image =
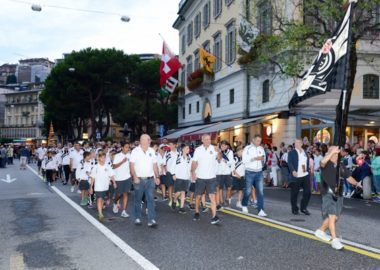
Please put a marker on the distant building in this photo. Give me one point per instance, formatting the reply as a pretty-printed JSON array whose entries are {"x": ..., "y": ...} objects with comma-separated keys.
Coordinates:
[
  {"x": 148, "y": 56},
  {"x": 5, "y": 71},
  {"x": 3, "y": 100},
  {"x": 34, "y": 70}
]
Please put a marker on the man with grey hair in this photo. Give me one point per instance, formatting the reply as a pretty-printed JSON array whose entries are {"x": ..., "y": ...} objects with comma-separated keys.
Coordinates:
[{"x": 144, "y": 171}]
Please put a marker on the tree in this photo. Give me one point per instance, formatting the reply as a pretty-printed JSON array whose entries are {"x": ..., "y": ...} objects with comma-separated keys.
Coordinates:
[
  {"x": 11, "y": 79},
  {"x": 297, "y": 38}
]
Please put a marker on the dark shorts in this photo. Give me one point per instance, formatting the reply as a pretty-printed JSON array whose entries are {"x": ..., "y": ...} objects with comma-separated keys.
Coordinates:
[
  {"x": 124, "y": 186},
  {"x": 162, "y": 179},
  {"x": 181, "y": 185},
  {"x": 238, "y": 183},
  {"x": 331, "y": 207},
  {"x": 224, "y": 181},
  {"x": 101, "y": 194},
  {"x": 169, "y": 179},
  {"x": 39, "y": 163},
  {"x": 205, "y": 185},
  {"x": 84, "y": 185},
  {"x": 73, "y": 177},
  {"x": 192, "y": 187}
]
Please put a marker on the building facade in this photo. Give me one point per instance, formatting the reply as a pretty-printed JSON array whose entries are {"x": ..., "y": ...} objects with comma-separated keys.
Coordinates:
[
  {"x": 34, "y": 70},
  {"x": 234, "y": 93}
]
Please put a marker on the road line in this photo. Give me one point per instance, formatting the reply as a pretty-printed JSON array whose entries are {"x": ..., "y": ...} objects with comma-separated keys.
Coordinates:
[
  {"x": 16, "y": 262},
  {"x": 351, "y": 246},
  {"x": 128, "y": 250}
]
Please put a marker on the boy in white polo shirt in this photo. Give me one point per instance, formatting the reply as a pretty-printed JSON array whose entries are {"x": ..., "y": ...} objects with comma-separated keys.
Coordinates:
[
  {"x": 123, "y": 178},
  {"x": 101, "y": 175},
  {"x": 82, "y": 173}
]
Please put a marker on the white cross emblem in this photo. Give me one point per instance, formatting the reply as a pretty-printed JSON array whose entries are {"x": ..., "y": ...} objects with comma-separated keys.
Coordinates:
[{"x": 166, "y": 58}]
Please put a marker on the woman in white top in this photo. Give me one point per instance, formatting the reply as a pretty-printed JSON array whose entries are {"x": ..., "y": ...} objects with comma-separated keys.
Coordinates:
[{"x": 182, "y": 176}]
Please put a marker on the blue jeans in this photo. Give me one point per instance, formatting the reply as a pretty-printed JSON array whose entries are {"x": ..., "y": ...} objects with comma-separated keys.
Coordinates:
[
  {"x": 347, "y": 187},
  {"x": 376, "y": 183},
  {"x": 145, "y": 186},
  {"x": 254, "y": 179}
]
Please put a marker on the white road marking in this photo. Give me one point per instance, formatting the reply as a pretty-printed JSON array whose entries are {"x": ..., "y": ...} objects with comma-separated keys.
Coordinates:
[
  {"x": 128, "y": 250},
  {"x": 8, "y": 179}
]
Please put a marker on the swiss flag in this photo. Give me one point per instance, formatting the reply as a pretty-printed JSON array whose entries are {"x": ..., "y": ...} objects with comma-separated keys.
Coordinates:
[{"x": 169, "y": 64}]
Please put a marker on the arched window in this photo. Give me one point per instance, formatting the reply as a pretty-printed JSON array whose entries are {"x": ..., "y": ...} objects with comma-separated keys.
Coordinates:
[
  {"x": 370, "y": 86},
  {"x": 266, "y": 91}
]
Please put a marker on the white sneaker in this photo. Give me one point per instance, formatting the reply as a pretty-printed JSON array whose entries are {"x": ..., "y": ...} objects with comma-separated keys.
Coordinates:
[
  {"x": 262, "y": 213},
  {"x": 124, "y": 214},
  {"x": 72, "y": 188},
  {"x": 244, "y": 209},
  {"x": 79, "y": 192},
  {"x": 229, "y": 201},
  {"x": 336, "y": 244},
  {"x": 115, "y": 209},
  {"x": 238, "y": 205},
  {"x": 322, "y": 235}
]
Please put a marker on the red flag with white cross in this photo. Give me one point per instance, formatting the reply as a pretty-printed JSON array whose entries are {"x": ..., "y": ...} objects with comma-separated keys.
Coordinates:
[{"x": 169, "y": 64}]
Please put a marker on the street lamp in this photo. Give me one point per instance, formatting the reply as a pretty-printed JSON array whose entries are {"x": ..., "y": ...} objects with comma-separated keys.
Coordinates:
[{"x": 36, "y": 7}]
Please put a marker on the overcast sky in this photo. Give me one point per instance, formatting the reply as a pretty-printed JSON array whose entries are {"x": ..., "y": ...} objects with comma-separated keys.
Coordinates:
[{"x": 53, "y": 31}]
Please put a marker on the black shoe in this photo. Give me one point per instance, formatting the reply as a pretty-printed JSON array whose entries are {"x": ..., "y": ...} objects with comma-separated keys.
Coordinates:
[
  {"x": 306, "y": 212},
  {"x": 215, "y": 220},
  {"x": 219, "y": 207},
  {"x": 295, "y": 212},
  {"x": 204, "y": 209},
  {"x": 196, "y": 217},
  {"x": 173, "y": 205},
  {"x": 192, "y": 207},
  {"x": 182, "y": 211},
  {"x": 65, "y": 183}
]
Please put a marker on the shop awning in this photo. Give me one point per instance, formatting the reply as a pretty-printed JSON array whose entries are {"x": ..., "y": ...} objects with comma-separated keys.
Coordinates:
[
  {"x": 177, "y": 134},
  {"x": 213, "y": 130}
]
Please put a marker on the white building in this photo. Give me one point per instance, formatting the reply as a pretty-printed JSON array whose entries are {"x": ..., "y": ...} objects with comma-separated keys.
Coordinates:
[{"x": 234, "y": 94}]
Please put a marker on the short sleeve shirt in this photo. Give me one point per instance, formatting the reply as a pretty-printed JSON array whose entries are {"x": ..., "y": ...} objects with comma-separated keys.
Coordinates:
[
  {"x": 207, "y": 162},
  {"x": 122, "y": 172},
  {"x": 102, "y": 175},
  {"x": 143, "y": 161},
  {"x": 77, "y": 157},
  {"x": 328, "y": 174}
]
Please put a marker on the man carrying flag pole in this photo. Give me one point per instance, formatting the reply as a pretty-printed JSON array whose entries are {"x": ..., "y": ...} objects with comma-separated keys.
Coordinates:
[{"x": 330, "y": 71}]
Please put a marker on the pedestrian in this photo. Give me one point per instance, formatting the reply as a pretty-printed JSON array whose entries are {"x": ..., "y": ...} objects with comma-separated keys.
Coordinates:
[
  {"x": 76, "y": 155},
  {"x": 238, "y": 182},
  {"x": 284, "y": 165},
  {"x": 144, "y": 170},
  {"x": 224, "y": 178},
  {"x": 161, "y": 161},
  {"x": 182, "y": 177},
  {"x": 317, "y": 169},
  {"x": 332, "y": 199},
  {"x": 254, "y": 159},
  {"x": 171, "y": 157},
  {"x": 10, "y": 154},
  {"x": 83, "y": 174},
  {"x": 274, "y": 166},
  {"x": 298, "y": 163},
  {"x": 348, "y": 163},
  {"x": 40, "y": 154},
  {"x": 24, "y": 155},
  {"x": 375, "y": 165},
  {"x": 203, "y": 171},
  {"x": 3, "y": 156},
  {"x": 101, "y": 176},
  {"x": 49, "y": 166},
  {"x": 66, "y": 165},
  {"x": 123, "y": 179}
]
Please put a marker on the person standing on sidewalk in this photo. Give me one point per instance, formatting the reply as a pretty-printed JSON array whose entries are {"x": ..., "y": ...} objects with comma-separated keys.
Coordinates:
[
  {"x": 144, "y": 170},
  {"x": 298, "y": 163},
  {"x": 24, "y": 155},
  {"x": 254, "y": 160},
  {"x": 375, "y": 165},
  {"x": 332, "y": 195}
]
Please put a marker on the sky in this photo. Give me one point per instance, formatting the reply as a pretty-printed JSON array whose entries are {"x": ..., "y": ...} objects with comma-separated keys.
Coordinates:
[{"x": 53, "y": 31}]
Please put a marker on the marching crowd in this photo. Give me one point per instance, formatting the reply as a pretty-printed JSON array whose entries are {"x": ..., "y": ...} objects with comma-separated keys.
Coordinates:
[{"x": 107, "y": 173}]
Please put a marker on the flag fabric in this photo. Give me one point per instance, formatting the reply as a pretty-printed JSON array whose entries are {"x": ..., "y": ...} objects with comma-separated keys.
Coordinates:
[
  {"x": 206, "y": 59},
  {"x": 164, "y": 92},
  {"x": 247, "y": 34},
  {"x": 171, "y": 84},
  {"x": 169, "y": 64},
  {"x": 328, "y": 70}
]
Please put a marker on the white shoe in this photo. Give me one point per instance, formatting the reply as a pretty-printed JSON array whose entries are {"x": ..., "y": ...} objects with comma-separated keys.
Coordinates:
[
  {"x": 124, "y": 214},
  {"x": 322, "y": 235},
  {"x": 79, "y": 192},
  {"x": 238, "y": 205},
  {"x": 229, "y": 201},
  {"x": 262, "y": 213},
  {"x": 115, "y": 209},
  {"x": 244, "y": 209},
  {"x": 336, "y": 244},
  {"x": 72, "y": 188}
]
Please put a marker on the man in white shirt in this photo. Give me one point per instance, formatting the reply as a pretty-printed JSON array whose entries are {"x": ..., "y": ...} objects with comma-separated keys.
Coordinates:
[
  {"x": 123, "y": 178},
  {"x": 76, "y": 156},
  {"x": 40, "y": 152},
  {"x": 144, "y": 170},
  {"x": 171, "y": 158},
  {"x": 254, "y": 160},
  {"x": 298, "y": 163},
  {"x": 224, "y": 174},
  {"x": 203, "y": 170}
]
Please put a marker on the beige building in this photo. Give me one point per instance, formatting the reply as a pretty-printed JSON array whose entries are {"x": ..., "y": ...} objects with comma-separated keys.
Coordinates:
[{"x": 234, "y": 95}]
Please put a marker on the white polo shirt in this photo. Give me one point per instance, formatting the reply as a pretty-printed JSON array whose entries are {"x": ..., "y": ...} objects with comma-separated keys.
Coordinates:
[
  {"x": 122, "y": 172},
  {"x": 207, "y": 162},
  {"x": 41, "y": 152},
  {"x": 83, "y": 171},
  {"x": 77, "y": 157},
  {"x": 143, "y": 161},
  {"x": 171, "y": 158},
  {"x": 302, "y": 160},
  {"x": 102, "y": 175},
  {"x": 239, "y": 167},
  {"x": 161, "y": 163},
  {"x": 182, "y": 167},
  {"x": 226, "y": 164}
]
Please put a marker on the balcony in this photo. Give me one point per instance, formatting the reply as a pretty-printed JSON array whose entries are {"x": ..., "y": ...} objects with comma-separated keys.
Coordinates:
[{"x": 200, "y": 82}]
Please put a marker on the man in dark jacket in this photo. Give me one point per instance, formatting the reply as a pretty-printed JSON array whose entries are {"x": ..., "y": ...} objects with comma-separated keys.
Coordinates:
[{"x": 298, "y": 163}]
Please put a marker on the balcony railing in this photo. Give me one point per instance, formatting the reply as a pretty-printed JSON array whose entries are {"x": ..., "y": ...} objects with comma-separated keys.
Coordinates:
[{"x": 200, "y": 82}]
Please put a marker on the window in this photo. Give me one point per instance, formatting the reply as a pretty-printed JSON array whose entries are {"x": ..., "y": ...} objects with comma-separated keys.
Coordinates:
[
  {"x": 183, "y": 112},
  {"x": 189, "y": 33},
  {"x": 197, "y": 106},
  {"x": 206, "y": 46},
  {"x": 370, "y": 86},
  {"x": 228, "y": 2},
  {"x": 197, "y": 23},
  {"x": 183, "y": 44},
  {"x": 189, "y": 67},
  {"x": 196, "y": 60},
  {"x": 231, "y": 43},
  {"x": 218, "y": 100},
  {"x": 206, "y": 15},
  {"x": 183, "y": 76},
  {"x": 232, "y": 96},
  {"x": 190, "y": 108},
  {"x": 266, "y": 91},
  {"x": 218, "y": 52},
  {"x": 217, "y": 8},
  {"x": 264, "y": 19}
]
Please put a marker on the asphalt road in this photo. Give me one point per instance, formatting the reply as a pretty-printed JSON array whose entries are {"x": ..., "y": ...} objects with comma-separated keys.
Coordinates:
[{"x": 177, "y": 242}]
